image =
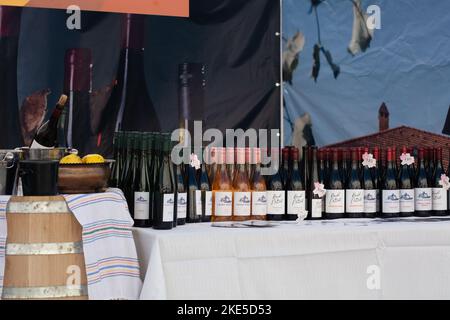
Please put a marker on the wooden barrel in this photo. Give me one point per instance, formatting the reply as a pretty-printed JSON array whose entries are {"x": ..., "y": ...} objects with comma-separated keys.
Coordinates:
[{"x": 44, "y": 251}]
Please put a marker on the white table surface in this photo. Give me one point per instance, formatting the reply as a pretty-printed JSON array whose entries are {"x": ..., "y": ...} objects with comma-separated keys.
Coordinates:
[{"x": 340, "y": 259}]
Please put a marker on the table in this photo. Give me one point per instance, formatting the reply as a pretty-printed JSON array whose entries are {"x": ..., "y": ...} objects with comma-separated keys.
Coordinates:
[{"x": 342, "y": 259}]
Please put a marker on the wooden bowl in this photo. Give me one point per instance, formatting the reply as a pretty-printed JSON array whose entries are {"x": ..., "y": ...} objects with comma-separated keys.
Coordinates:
[{"x": 84, "y": 178}]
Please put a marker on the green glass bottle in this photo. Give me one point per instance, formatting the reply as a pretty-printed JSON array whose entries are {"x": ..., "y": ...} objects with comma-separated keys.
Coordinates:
[
  {"x": 131, "y": 177},
  {"x": 164, "y": 195},
  {"x": 117, "y": 166},
  {"x": 142, "y": 188}
]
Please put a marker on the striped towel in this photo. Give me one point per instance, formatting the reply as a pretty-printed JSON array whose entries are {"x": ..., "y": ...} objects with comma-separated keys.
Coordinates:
[
  {"x": 110, "y": 254},
  {"x": 3, "y": 202}
]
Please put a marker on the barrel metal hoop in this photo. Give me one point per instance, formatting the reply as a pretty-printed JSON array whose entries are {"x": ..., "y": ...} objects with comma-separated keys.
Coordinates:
[
  {"x": 29, "y": 249},
  {"x": 45, "y": 292},
  {"x": 37, "y": 207}
]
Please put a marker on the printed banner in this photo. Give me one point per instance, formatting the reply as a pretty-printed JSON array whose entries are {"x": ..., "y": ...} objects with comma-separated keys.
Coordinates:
[{"x": 179, "y": 8}]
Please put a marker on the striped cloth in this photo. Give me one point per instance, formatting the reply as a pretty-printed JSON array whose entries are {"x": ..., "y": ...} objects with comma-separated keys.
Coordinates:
[
  {"x": 3, "y": 232},
  {"x": 110, "y": 254}
]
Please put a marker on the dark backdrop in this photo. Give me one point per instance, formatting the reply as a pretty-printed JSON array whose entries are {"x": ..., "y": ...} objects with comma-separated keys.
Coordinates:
[{"x": 236, "y": 39}]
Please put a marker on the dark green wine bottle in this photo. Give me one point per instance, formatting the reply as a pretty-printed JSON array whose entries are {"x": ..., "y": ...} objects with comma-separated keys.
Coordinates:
[
  {"x": 181, "y": 196},
  {"x": 142, "y": 189},
  {"x": 117, "y": 166},
  {"x": 206, "y": 194},
  {"x": 131, "y": 178},
  {"x": 164, "y": 192}
]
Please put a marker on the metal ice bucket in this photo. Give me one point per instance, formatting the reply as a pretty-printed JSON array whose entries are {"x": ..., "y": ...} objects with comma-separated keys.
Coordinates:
[
  {"x": 45, "y": 154},
  {"x": 8, "y": 170}
]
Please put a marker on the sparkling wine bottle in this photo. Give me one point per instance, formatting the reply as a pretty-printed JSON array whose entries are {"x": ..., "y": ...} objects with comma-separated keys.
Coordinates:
[
  {"x": 423, "y": 190},
  {"x": 241, "y": 189},
  {"x": 164, "y": 192},
  {"x": 335, "y": 194},
  {"x": 206, "y": 194},
  {"x": 390, "y": 194},
  {"x": 222, "y": 190},
  {"x": 406, "y": 190},
  {"x": 296, "y": 198},
  {"x": 47, "y": 134},
  {"x": 142, "y": 218},
  {"x": 439, "y": 193},
  {"x": 354, "y": 193}
]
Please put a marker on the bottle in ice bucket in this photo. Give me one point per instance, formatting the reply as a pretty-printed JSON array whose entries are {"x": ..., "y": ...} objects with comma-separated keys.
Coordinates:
[{"x": 164, "y": 195}]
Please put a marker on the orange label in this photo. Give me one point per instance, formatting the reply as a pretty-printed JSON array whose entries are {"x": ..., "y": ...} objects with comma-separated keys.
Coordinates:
[{"x": 178, "y": 8}]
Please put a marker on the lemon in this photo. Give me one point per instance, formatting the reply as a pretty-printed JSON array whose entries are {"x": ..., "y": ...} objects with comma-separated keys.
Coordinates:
[
  {"x": 93, "y": 158},
  {"x": 71, "y": 159}
]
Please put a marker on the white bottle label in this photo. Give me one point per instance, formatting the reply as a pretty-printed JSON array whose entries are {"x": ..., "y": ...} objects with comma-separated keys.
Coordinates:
[
  {"x": 391, "y": 201},
  {"x": 168, "y": 207},
  {"x": 424, "y": 199},
  {"x": 198, "y": 203},
  {"x": 370, "y": 201},
  {"x": 275, "y": 202},
  {"x": 439, "y": 199},
  {"x": 259, "y": 203},
  {"x": 296, "y": 202},
  {"x": 141, "y": 205},
  {"x": 242, "y": 203},
  {"x": 335, "y": 201},
  {"x": 354, "y": 200},
  {"x": 316, "y": 208},
  {"x": 181, "y": 205},
  {"x": 407, "y": 200},
  {"x": 208, "y": 203},
  {"x": 223, "y": 204}
]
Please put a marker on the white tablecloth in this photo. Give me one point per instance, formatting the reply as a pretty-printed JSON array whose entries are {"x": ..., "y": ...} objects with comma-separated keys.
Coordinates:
[{"x": 344, "y": 259}]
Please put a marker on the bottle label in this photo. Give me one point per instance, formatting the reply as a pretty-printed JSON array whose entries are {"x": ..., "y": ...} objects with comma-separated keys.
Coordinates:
[
  {"x": 36, "y": 145},
  {"x": 439, "y": 199},
  {"x": 354, "y": 200},
  {"x": 407, "y": 200},
  {"x": 370, "y": 201},
  {"x": 208, "y": 203},
  {"x": 296, "y": 202},
  {"x": 242, "y": 203},
  {"x": 391, "y": 201},
  {"x": 424, "y": 199},
  {"x": 259, "y": 203},
  {"x": 335, "y": 201},
  {"x": 168, "y": 206},
  {"x": 141, "y": 205},
  {"x": 181, "y": 205},
  {"x": 223, "y": 204},
  {"x": 316, "y": 208},
  {"x": 198, "y": 203},
  {"x": 275, "y": 202}
]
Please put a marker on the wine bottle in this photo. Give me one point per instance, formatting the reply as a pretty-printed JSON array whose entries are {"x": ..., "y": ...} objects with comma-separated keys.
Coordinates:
[
  {"x": 130, "y": 180},
  {"x": 296, "y": 198},
  {"x": 117, "y": 166},
  {"x": 285, "y": 168},
  {"x": 194, "y": 196},
  {"x": 259, "y": 189},
  {"x": 431, "y": 153},
  {"x": 390, "y": 195},
  {"x": 241, "y": 189},
  {"x": 423, "y": 190},
  {"x": 406, "y": 189},
  {"x": 305, "y": 165},
  {"x": 335, "y": 193},
  {"x": 316, "y": 201},
  {"x": 222, "y": 190},
  {"x": 142, "y": 190},
  {"x": 47, "y": 134},
  {"x": 377, "y": 176},
  {"x": 164, "y": 193},
  {"x": 249, "y": 163},
  {"x": 206, "y": 194},
  {"x": 275, "y": 191},
  {"x": 343, "y": 159},
  {"x": 354, "y": 193},
  {"x": 370, "y": 192},
  {"x": 181, "y": 196},
  {"x": 440, "y": 207},
  {"x": 212, "y": 163}
]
